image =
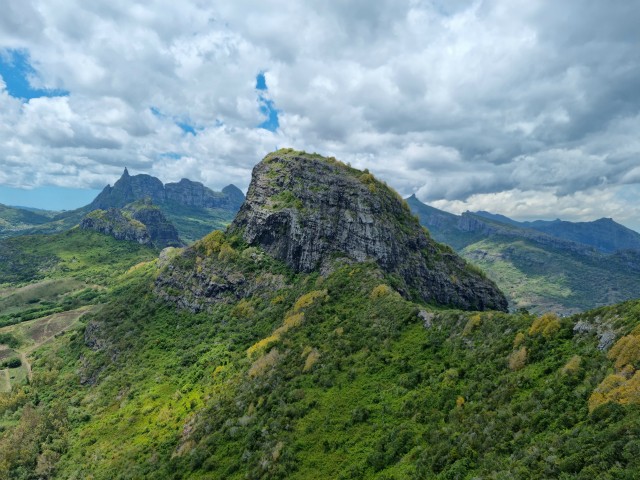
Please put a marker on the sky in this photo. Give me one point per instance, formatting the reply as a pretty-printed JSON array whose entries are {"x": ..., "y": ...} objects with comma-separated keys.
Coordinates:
[{"x": 528, "y": 108}]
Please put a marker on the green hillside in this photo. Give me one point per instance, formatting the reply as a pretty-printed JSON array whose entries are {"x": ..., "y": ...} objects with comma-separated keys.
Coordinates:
[
  {"x": 324, "y": 377},
  {"x": 14, "y": 220},
  {"x": 542, "y": 278},
  {"x": 46, "y": 274},
  {"x": 536, "y": 270}
]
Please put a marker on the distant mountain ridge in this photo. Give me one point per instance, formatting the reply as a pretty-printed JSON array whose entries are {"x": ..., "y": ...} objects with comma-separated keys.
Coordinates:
[
  {"x": 604, "y": 234},
  {"x": 185, "y": 192},
  {"x": 538, "y": 264},
  {"x": 194, "y": 209}
]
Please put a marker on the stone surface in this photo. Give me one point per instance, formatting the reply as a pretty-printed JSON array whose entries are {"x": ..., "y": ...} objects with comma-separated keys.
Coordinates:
[{"x": 304, "y": 209}]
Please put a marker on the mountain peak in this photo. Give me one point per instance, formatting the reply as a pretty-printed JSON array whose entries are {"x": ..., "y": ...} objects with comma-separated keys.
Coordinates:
[
  {"x": 125, "y": 173},
  {"x": 305, "y": 210}
]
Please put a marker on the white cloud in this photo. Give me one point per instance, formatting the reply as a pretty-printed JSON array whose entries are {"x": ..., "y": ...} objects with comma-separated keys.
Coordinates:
[{"x": 458, "y": 101}]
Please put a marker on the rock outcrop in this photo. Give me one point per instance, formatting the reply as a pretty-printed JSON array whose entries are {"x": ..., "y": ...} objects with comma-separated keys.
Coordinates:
[
  {"x": 306, "y": 210},
  {"x": 114, "y": 223},
  {"x": 139, "y": 222}
]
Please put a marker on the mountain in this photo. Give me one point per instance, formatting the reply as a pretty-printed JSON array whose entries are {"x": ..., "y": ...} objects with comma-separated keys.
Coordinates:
[
  {"x": 14, "y": 220},
  {"x": 235, "y": 358},
  {"x": 349, "y": 214},
  {"x": 186, "y": 193},
  {"x": 535, "y": 269},
  {"x": 604, "y": 234},
  {"x": 140, "y": 222},
  {"x": 193, "y": 209}
]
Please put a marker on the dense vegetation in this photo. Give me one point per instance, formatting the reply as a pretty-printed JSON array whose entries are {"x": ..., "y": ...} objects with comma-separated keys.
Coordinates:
[{"x": 333, "y": 376}]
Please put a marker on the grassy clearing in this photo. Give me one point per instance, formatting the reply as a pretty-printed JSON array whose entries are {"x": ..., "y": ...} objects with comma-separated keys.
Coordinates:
[
  {"x": 32, "y": 335},
  {"x": 17, "y": 299}
]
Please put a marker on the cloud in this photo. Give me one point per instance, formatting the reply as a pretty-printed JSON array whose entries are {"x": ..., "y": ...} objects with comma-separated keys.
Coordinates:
[{"x": 458, "y": 101}]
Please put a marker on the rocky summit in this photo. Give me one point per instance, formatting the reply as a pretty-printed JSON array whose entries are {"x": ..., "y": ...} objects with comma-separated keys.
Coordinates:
[
  {"x": 130, "y": 188},
  {"x": 307, "y": 210}
]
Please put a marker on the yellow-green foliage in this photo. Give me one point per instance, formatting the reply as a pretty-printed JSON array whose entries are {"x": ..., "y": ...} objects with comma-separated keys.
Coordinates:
[
  {"x": 212, "y": 242},
  {"x": 380, "y": 291},
  {"x": 518, "y": 359},
  {"x": 473, "y": 323},
  {"x": 369, "y": 180},
  {"x": 572, "y": 366},
  {"x": 312, "y": 359},
  {"x": 616, "y": 388},
  {"x": 243, "y": 309},
  {"x": 262, "y": 364},
  {"x": 227, "y": 252},
  {"x": 626, "y": 351},
  {"x": 292, "y": 321},
  {"x": 277, "y": 300},
  {"x": 308, "y": 299},
  {"x": 460, "y": 401},
  {"x": 546, "y": 325},
  {"x": 261, "y": 346},
  {"x": 518, "y": 340}
]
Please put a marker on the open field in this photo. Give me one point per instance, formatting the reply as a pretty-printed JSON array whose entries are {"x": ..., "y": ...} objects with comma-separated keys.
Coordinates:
[{"x": 31, "y": 335}]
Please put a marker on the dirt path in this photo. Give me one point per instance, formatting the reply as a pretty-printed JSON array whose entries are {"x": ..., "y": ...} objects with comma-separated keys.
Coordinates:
[
  {"x": 27, "y": 365},
  {"x": 5, "y": 386},
  {"x": 48, "y": 334}
]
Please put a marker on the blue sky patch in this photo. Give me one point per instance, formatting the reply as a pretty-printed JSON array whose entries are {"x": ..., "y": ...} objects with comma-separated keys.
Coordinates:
[
  {"x": 171, "y": 155},
  {"x": 16, "y": 71},
  {"x": 267, "y": 107},
  {"x": 185, "y": 126},
  {"x": 49, "y": 197},
  {"x": 261, "y": 82}
]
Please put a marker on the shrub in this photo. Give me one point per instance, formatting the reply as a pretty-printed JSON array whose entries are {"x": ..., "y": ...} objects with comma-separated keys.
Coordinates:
[
  {"x": 572, "y": 366},
  {"x": 546, "y": 325},
  {"x": 13, "y": 362},
  {"x": 519, "y": 340},
  {"x": 262, "y": 364},
  {"x": 308, "y": 299},
  {"x": 380, "y": 291},
  {"x": 518, "y": 359},
  {"x": 473, "y": 323},
  {"x": 626, "y": 351},
  {"x": 616, "y": 388},
  {"x": 312, "y": 359},
  {"x": 9, "y": 340}
]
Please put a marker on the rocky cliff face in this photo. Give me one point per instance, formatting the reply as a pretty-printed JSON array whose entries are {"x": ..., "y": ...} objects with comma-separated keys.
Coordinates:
[
  {"x": 114, "y": 223},
  {"x": 162, "y": 232},
  {"x": 139, "y": 222},
  {"x": 129, "y": 189},
  {"x": 306, "y": 210}
]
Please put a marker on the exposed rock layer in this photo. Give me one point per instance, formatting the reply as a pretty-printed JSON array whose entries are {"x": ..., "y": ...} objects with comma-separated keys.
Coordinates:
[{"x": 305, "y": 210}]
